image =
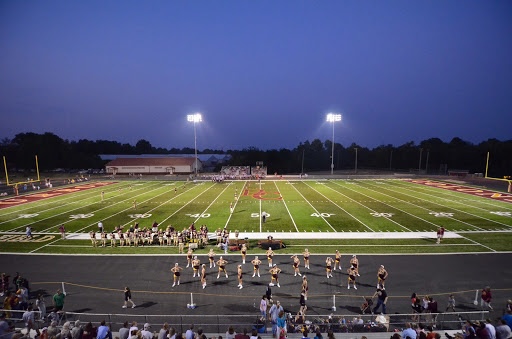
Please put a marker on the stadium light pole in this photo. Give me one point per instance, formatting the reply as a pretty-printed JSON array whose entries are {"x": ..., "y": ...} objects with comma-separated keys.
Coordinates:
[
  {"x": 332, "y": 118},
  {"x": 195, "y": 118}
]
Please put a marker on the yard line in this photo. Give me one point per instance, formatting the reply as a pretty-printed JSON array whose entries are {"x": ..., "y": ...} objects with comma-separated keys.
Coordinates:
[
  {"x": 236, "y": 202},
  {"x": 286, "y": 206},
  {"x": 372, "y": 200},
  {"x": 320, "y": 214},
  {"x": 65, "y": 212},
  {"x": 341, "y": 208},
  {"x": 260, "y": 208},
  {"x": 452, "y": 218},
  {"x": 460, "y": 203}
]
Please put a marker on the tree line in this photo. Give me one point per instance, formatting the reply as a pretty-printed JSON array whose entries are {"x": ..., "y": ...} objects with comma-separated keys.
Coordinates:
[{"x": 431, "y": 155}]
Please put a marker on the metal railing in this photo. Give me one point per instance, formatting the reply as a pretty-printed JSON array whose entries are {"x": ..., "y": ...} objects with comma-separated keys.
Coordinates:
[{"x": 220, "y": 323}]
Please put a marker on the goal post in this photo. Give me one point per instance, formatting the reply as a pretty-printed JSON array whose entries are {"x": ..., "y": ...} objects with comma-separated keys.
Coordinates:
[
  {"x": 505, "y": 178},
  {"x": 8, "y": 183}
]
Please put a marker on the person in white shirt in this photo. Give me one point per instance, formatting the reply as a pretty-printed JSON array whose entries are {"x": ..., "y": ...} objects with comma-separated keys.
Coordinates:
[
  {"x": 263, "y": 307},
  {"x": 490, "y": 328},
  {"x": 146, "y": 334},
  {"x": 28, "y": 319},
  {"x": 100, "y": 227}
]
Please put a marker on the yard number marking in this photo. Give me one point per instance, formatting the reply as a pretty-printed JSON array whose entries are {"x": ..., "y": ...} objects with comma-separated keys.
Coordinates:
[
  {"x": 503, "y": 214},
  {"x": 28, "y": 216},
  {"x": 384, "y": 215},
  {"x": 322, "y": 215},
  {"x": 81, "y": 216},
  {"x": 257, "y": 215},
  {"x": 140, "y": 216},
  {"x": 197, "y": 215},
  {"x": 442, "y": 214}
]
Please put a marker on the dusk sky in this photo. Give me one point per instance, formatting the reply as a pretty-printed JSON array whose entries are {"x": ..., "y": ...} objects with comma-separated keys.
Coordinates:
[{"x": 262, "y": 73}]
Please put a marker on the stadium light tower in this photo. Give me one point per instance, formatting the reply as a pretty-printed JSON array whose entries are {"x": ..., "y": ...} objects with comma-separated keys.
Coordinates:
[
  {"x": 195, "y": 118},
  {"x": 332, "y": 118}
]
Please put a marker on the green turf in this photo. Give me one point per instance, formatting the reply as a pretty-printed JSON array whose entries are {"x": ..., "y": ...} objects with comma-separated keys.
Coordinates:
[{"x": 326, "y": 207}]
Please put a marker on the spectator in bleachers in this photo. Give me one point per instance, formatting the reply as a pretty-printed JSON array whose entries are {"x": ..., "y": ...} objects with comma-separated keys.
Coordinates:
[
  {"x": 503, "y": 331},
  {"x": 104, "y": 331},
  {"x": 164, "y": 331},
  {"x": 230, "y": 333},
  {"x": 146, "y": 332},
  {"x": 124, "y": 332},
  {"x": 77, "y": 330}
]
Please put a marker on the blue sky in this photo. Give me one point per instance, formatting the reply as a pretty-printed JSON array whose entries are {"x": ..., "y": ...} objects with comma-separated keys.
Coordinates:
[{"x": 263, "y": 73}]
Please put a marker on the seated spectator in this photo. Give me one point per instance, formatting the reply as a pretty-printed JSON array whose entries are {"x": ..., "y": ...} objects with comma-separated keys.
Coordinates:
[
  {"x": 103, "y": 331},
  {"x": 503, "y": 331},
  {"x": 242, "y": 336},
  {"x": 230, "y": 333},
  {"x": 124, "y": 332},
  {"x": 90, "y": 331},
  {"x": 77, "y": 330}
]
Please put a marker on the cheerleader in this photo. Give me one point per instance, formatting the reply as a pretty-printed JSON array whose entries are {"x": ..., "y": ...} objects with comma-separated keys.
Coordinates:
[
  {"x": 128, "y": 238},
  {"x": 103, "y": 236},
  {"x": 121, "y": 238},
  {"x": 189, "y": 257},
  {"x": 113, "y": 239},
  {"x": 328, "y": 267},
  {"x": 337, "y": 260},
  {"x": 351, "y": 277},
  {"x": 92, "y": 235},
  {"x": 203, "y": 275},
  {"x": 306, "y": 255},
  {"x": 305, "y": 287},
  {"x": 239, "y": 275},
  {"x": 176, "y": 270},
  {"x": 222, "y": 267},
  {"x": 270, "y": 255},
  {"x": 211, "y": 257},
  {"x": 161, "y": 237},
  {"x": 355, "y": 262},
  {"x": 244, "y": 252},
  {"x": 195, "y": 266},
  {"x": 274, "y": 275},
  {"x": 382, "y": 275},
  {"x": 296, "y": 264},
  {"x": 256, "y": 264}
]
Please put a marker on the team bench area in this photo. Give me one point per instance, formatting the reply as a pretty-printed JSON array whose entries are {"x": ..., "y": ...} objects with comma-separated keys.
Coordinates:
[{"x": 274, "y": 244}]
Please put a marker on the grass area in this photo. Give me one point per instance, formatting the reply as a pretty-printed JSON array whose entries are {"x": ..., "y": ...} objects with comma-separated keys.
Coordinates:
[{"x": 298, "y": 207}]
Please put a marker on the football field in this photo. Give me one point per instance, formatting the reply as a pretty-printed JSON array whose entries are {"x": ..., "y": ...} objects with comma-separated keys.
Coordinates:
[{"x": 353, "y": 215}]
